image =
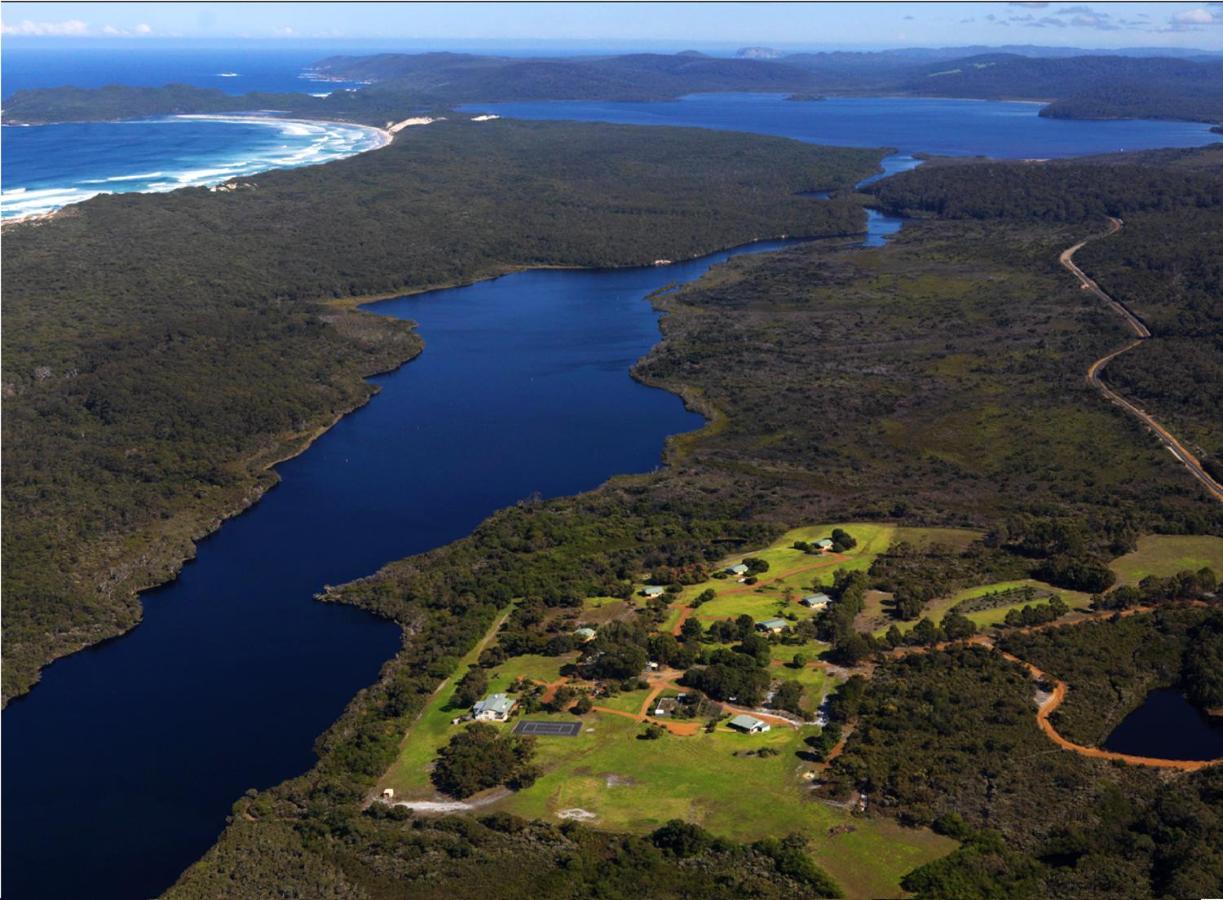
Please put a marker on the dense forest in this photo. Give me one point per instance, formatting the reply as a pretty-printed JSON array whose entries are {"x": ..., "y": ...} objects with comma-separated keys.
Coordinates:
[
  {"x": 162, "y": 349},
  {"x": 927, "y": 423},
  {"x": 1163, "y": 264},
  {"x": 1080, "y": 87}
]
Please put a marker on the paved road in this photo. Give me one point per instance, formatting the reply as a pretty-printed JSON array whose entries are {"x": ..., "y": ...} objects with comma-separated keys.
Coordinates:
[{"x": 1141, "y": 334}]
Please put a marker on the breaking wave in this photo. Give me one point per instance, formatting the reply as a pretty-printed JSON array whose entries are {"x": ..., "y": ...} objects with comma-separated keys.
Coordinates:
[{"x": 44, "y": 170}]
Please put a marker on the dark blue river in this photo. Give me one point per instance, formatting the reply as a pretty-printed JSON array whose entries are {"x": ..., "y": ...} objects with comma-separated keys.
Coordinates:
[{"x": 126, "y": 758}]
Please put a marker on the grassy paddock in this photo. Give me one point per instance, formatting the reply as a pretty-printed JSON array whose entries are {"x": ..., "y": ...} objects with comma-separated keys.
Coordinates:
[{"x": 1167, "y": 554}]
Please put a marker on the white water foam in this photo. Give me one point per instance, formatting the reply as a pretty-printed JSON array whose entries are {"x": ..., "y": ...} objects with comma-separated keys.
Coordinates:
[{"x": 306, "y": 143}]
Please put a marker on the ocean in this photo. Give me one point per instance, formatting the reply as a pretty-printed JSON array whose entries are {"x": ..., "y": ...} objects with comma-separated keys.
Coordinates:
[{"x": 45, "y": 167}]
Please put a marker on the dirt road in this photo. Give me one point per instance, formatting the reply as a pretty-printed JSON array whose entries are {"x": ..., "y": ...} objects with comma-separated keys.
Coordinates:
[{"x": 1141, "y": 333}]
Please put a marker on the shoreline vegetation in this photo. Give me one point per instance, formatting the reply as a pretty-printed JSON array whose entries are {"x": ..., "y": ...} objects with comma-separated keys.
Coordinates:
[{"x": 131, "y": 242}]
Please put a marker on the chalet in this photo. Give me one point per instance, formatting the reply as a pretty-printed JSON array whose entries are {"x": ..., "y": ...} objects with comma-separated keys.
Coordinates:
[
  {"x": 666, "y": 706},
  {"x": 653, "y": 590},
  {"x": 585, "y": 634},
  {"x": 739, "y": 569},
  {"x": 824, "y": 545},
  {"x": 772, "y": 626},
  {"x": 748, "y": 725},
  {"x": 816, "y": 601},
  {"x": 493, "y": 708}
]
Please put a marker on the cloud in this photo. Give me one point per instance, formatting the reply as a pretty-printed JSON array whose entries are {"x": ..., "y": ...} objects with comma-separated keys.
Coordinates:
[
  {"x": 135, "y": 30},
  {"x": 284, "y": 31},
  {"x": 910, "y": 18},
  {"x": 67, "y": 28},
  {"x": 1193, "y": 17}
]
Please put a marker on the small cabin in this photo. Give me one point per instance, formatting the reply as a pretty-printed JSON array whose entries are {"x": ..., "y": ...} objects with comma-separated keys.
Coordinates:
[
  {"x": 748, "y": 724},
  {"x": 824, "y": 545},
  {"x": 653, "y": 590},
  {"x": 739, "y": 569},
  {"x": 816, "y": 601},
  {"x": 772, "y": 626}
]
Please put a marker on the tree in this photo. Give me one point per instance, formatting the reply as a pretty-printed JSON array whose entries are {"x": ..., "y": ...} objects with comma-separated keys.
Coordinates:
[
  {"x": 798, "y": 661},
  {"x": 583, "y": 705},
  {"x": 691, "y": 630},
  {"x": 744, "y": 625},
  {"x": 894, "y": 638},
  {"x": 958, "y": 626},
  {"x": 471, "y": 687},
  {"x": 788, "y": 696},
  {"x": 703, "y": 597},
  {"x": 842, "y": 540},
  {"x": 925, "y": 632},
  {"x": 755, "y": 564}
]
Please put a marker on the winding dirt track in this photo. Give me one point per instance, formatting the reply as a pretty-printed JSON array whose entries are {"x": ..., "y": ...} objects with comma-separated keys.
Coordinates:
[
  {"x": 1058, "y": 696},
  {"x": 1141, "y": 333}
]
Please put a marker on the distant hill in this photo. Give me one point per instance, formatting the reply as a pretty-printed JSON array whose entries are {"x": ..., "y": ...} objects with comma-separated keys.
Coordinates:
[
  {"x": 456, "y": 78},
  {"x": 400, "y": 84},
  {"x": 1085, "y": 87}
]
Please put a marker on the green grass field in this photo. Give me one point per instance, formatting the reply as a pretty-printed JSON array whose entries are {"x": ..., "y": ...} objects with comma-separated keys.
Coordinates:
[
  {"x": 635, "y": 785},
  {"x": 1167, "y": 554},
  {"x": 936, "y": 609},
  {"x": 789, "y": 570}
]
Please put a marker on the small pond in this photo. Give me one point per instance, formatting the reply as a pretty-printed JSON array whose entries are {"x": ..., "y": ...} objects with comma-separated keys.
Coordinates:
[{"x": 1168, "y": 726}]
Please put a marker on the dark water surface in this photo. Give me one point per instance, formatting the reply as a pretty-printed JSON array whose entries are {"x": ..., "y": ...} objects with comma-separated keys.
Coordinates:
[
  {"x": 1168, "y": 726},
  {"x": 123, "y": 762}
]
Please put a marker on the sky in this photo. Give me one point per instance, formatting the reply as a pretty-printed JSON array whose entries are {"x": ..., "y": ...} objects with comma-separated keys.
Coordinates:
[{"x": 822, "y": 25}]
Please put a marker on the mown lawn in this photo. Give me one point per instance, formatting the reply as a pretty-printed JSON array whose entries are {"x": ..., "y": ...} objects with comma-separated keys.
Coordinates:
[
  {"x": 1167, "y": 554},
  {"x": 636, "y": 785}
]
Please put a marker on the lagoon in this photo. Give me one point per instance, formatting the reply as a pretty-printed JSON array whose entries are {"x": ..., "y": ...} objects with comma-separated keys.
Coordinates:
[{"x": 1002, "y": 129}]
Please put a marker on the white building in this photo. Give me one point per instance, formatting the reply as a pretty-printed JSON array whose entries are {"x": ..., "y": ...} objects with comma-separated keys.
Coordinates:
[{"x": 493, "y": 708}]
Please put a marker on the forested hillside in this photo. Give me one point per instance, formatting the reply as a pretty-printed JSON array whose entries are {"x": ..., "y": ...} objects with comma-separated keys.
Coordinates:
[
  {"x": 1163, "y": 264},
  {"x": 161, "y": 349}
]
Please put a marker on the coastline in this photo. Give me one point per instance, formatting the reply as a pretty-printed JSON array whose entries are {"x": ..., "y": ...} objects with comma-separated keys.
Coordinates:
[{"x": 378, "y": 137}]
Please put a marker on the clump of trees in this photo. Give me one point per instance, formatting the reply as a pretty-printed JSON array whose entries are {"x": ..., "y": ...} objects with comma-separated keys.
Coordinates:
[
  {"x": 480, "y": 757},
  {"x": 1185, "y": 585},
  {"x": 1037, "y": 614}
]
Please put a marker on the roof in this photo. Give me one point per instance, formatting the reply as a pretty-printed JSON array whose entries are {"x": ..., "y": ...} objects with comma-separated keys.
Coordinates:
[
  {"x": 494, "y": 703},
  {"x": 585, "y": 632},
  {"x": 747, "y": 722},
  {"x": 774, "y": 623},
  {"x": 812, "y": 599},
  {"x": 825, "y": 542},
  {"x": 738, "y": 569},
  {"x": 653, "y": 590}
]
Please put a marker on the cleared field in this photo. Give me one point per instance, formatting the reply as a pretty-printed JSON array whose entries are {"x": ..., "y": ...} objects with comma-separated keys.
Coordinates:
[
  {"x": 636, "y": 785},
  {"x": 936, "y": 609},
  {"x": 1167, "y": 554},
  {"x": 956, "y": 538}
]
